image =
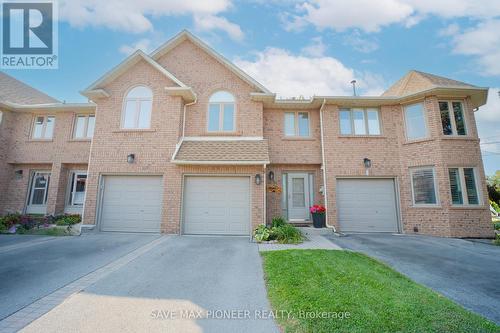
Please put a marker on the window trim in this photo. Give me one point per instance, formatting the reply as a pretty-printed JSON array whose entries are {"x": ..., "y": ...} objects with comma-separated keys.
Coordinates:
[
  {"x": 426, "y": 122},
  {"x": 85, "y": 128},
  {"x": 451, "y": 114},
  {"x": 71, "y": 187},
  {"x": 365, "y": 114},
  {"x": 296, "y": 134},
  {"x": 137, "y": 115},
  {"x": 465, "y": 197},
  {"x": 436, "y": 189},
  {"x": 44, "y": 127},
  {"x": 221, "y": 113}
]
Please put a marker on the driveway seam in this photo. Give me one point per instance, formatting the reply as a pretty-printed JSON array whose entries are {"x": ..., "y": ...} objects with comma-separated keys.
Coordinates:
[{"x": 38, "y": 308}]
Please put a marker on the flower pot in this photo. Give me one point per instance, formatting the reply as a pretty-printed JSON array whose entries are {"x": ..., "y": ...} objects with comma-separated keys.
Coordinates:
[{"x": 319, "y": 220}]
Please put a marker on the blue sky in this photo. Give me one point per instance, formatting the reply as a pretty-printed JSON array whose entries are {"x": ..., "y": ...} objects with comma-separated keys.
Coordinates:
[{"x": 293, "y": 47}]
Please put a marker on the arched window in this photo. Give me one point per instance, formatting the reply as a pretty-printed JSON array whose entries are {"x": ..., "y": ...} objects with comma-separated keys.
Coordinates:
[
  {"x": 221, "y": 112},
  {"x": 137, "y": 108}
]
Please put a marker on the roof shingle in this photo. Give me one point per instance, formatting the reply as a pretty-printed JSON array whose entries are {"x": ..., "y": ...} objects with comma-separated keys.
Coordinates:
[{"x": 15, "y": 91}]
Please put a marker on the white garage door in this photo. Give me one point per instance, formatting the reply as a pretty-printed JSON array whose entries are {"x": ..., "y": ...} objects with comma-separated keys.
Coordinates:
[
  {"x": 131, "y": 203},
  {"x": 367, "y": 205},
  {"x": 217, "y": 205}
]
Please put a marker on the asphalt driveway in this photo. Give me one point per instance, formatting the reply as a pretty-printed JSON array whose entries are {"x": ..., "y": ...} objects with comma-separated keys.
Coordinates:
[
  {"x": 464, "y": 271},
  {"x": 182, "y": 284},
  {"x": 32, "y": 267}
]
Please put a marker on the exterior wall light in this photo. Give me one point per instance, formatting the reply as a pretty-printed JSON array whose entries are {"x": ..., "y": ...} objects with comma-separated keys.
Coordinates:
[
  {"x": 271, "y": 175},
  {"x": 258, "y": 179},
  {"x": 19, "y": 174},
  {"x": 367, "y": 162},
  {"x": 130, "y": 158}
]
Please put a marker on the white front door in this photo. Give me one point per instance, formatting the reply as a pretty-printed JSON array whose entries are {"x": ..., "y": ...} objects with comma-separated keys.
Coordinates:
[
  {"x": 298, "y": 196},
  {"x": 37, "y": 197}
]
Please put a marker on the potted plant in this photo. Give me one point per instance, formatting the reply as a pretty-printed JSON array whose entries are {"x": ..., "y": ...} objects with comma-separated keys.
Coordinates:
[{"x": 318, "y": 215}]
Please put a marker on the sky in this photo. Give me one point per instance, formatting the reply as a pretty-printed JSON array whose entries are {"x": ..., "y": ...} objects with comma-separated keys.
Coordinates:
[{"x": 294, "y": 48}]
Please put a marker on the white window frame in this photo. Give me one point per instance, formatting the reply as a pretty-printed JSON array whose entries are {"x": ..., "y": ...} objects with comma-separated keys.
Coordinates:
[
  {"x": 465, "y": 198},
  {"x": 221, "y": 114},
  {"x": 85, "y": 127},
  {"x": 436, "y": 190},
  {"x": 138, "y": 101},
  {"x": 426, "y": 122},
  {"x": 72, "y": 187},
  {"x": 451, "y": 114},
  {"x": 44, "y": 127},
  {"x": 351, "y": 119},
  {"x": 296, "y": 124}
]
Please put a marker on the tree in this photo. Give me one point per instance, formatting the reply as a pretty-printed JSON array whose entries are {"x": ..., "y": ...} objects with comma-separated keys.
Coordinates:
[{"x": 494, "y": 187}]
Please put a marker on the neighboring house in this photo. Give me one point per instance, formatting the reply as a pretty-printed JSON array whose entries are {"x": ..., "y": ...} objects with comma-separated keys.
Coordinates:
[{"x": 185, "y": 142}]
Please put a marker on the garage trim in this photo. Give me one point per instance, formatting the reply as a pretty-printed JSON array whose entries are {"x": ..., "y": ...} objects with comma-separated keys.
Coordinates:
[
  {"x": 225, "y": 175},
  {"x": 100, "y": 193},
  {"x": 397, "y": 195}
]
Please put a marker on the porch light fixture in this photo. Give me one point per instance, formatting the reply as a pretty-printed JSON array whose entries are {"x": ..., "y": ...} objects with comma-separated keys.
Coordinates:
[
  {"x": 271, "y": 175},
  {"x": 367, "y": 162},
  {"x": 258, "y": 179},
  {"x": 130, "y": 158}
]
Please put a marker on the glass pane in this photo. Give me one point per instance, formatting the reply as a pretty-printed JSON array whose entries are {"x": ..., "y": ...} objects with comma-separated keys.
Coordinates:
[
  {"x": 213, "y": 117},
  {"x": 455, "y": 187},
  {"x": 38, "y": 196},
  {"x": 145, "y": 114},
  {"x": 140, "y": 92},
  {"x": 289, "y": 123},
  {"x": 80, "y": 183},
  {"x": 470, "y": 184},
  {"x": 37, "y": 130},
  {"x": 303, "y": 124},
  {"x": 298, "y": 197},
  {"x": 298, "y": 185},
  {"x": 49, "y": 128},
  {"x": 459, "y": 118},
  {"x": 445, "y": 118},
  {"x": 228, "y": 121},
  {"x": 359, "y": 122},
  {"x": 415, "y": 122},
  {"x": 80, "y": 127},
  {"x": 423, "y": 187},
  {"x": 40, "y": 181},
  {"x": 345, "y": 122},
  {"x": 71, "y": 188},
  {"x": 90, "y": 126},
  {"x": 373, "y": 122},
  {"x": 130, "y": 113},
  {"x": 221, "y": 97}
]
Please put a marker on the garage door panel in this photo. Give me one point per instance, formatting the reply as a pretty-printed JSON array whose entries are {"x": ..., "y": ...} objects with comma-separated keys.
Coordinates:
[
  {"x": 216, "y": 205},
  {"x": 367, "y": 205},
  {"x": 132, "y": 203}
]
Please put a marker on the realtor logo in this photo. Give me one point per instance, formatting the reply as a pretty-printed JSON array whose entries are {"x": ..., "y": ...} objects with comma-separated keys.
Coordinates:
[{"x": 29, "y": 35}]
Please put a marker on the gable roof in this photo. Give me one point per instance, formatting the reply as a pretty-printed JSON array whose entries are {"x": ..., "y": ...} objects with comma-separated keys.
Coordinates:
[
  {"x": 15, "y": 91},
  {"x": 416, "y": 81},
  {"x": 186, "y": 35},
  {"x": 95, "y": 89}
]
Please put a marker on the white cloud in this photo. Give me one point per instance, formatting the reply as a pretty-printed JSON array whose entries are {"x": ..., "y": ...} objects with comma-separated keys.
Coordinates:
[
  {"x": 212, "y": 22},
  {"x": 483, "y": 42},
  {"x": 488, "y": 124},
  {"x": 359, "y": 43},
  {"x": 294, "y": 75},
  {"x": 316, "y": 49},
  {"x": 144, "y": 45},
  {"x": 450, "y": 30},
  {"x": 134, "y": 16}
]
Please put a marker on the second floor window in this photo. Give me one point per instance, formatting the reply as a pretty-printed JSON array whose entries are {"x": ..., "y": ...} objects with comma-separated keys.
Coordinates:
[
  {"x": 297, "y": 124},
  {"x": 359, "y": 122},
  {"x": 221, "y": 112},
  {"x": 43, "y": 127},
  {"x": 137, "y": 108},
  {"x": 452, "y": 118},
  {"x": 84, "y": 126},
  {"x": 416, "y": 126}
]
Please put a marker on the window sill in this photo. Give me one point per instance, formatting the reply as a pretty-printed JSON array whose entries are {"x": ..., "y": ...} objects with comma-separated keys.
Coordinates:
[
  {"x": 298, "y": 138},
  {"x": 418, "y": 141},
  {"x": 362, "y": 136},
  {"x": 40, "y": 140},
  {"x": 79, "y": 140},
  {"x": 232, "y": 133},
  {"x": 459, "y": 137},
  {"x": 462, "y": 207},
  {"x": 426, "y": 206},
  {"x": 126, "y": 130}
]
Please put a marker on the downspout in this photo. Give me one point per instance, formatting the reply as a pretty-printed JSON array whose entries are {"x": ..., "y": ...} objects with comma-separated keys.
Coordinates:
[
  {"x": 323, "y": 166},
  {"x": 265, "y": 199},
  {"x": 184, "y": 115}
]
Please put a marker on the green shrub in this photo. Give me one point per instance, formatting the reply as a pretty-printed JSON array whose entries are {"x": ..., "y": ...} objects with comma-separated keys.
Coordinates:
[
  {"x": 68, "y": 219},
  {"x": 261, "y": 233},
  {"x": 287, "y": 234},
  {"x": 278, "y": 221},
  {"x": 9, "y": 220},
  {"x": 497, "y": 226}
]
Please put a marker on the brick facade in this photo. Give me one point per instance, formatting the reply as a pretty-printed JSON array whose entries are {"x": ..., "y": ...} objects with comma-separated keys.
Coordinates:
[{"x": 391, "y": 154}]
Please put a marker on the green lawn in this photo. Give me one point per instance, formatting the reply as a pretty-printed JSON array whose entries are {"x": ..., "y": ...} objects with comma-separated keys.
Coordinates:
[{"x": 377, "y": 298}]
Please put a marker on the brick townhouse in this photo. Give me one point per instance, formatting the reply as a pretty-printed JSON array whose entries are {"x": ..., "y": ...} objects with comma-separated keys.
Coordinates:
[{"x": 183, "y": 141}]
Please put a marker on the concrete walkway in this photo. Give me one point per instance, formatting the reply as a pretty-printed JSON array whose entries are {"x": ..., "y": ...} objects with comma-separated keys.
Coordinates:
[
  {"x": 183, "y": 284},
  {"x": 315, "y": 241}
]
